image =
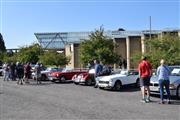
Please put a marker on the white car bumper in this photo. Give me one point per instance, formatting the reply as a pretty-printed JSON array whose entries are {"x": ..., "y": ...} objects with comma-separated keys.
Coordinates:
[
  {"x": 157, "y": 90},
  {"x": 51, "y": 78},
  {"x": 79, "y": 80},
  {"x": 105, "y": 84}
]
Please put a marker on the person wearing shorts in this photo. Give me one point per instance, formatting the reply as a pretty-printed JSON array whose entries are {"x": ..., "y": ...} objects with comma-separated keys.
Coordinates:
[{"x": 145, "y": 72}]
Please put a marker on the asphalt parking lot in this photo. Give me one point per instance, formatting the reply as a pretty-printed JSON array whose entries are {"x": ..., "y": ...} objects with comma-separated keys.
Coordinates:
[{"x": 50, "y": 101}]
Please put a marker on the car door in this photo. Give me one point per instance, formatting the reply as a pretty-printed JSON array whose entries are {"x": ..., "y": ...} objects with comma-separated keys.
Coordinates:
[{"x": 131, "y": 77}]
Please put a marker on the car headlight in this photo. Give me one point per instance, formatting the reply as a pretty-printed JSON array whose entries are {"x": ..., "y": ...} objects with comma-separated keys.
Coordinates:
[
  {"x": 172, "y": 86},
  {"x": 111, "y": 80}
]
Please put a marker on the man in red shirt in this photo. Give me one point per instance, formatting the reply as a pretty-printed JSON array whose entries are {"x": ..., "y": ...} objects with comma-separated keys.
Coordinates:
[{"x": 145, "y": 72}]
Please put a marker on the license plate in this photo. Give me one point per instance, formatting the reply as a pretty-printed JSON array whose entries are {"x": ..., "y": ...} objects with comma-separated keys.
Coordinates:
[
  {"x": 152, "y": 88},
  {"x": 77, "y": 80}
]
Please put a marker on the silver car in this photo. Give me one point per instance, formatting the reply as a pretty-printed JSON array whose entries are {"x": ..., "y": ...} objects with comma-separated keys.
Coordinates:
[{"x": 174, "y": 82}]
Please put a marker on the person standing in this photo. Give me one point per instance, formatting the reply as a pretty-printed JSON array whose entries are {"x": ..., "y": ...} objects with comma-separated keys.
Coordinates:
[
  {"x": 6, "y": 73},
  {"x": 38, "y": 73},
  {"x": 12, "y": 71},
  {"x": 27, "y": 72},
  {"x": 163, "y": 72},
  {"x": 98, "y": 69},
  {"x": 20, "y": 73},
  {"x": 145, "y": 72}
]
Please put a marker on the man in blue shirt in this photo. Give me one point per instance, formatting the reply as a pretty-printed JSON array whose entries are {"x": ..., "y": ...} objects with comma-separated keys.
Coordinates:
[
  {"x": 98, "y": 70},
  {"x": 163, "y": 72}
]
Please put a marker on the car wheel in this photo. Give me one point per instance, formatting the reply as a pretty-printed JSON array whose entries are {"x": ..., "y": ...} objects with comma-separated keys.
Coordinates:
[
  {"x": 62, "y": 79},
  {"x": 138, "y": 83},
  {"x": 101, "y": 88},
  {"x": 53, "y": 80},
  {"x": 117, "y": 86},
  {"x": 76, "y": 83},
  {"x": 88, "y": 82},
  {"x": 178, "y": 92}
]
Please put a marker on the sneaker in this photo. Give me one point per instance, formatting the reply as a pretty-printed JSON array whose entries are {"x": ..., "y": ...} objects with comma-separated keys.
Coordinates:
[
  {"x": 96, "y": 86},
  {"x": 143, "y": 101},
  {"x": 161, "y": 102},
  {"x": 148, "y": 100},
  {"x": 168, "y": 102}
]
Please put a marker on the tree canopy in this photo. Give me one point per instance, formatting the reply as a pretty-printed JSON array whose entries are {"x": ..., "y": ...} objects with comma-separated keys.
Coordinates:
[
  {"x": 98, "y": 47},
  {"x": 29, "y": 53},
  {"x": 166, "y": 47},
  {"x": 2, "y": 44},
  {"x": 54, "y": 58}
]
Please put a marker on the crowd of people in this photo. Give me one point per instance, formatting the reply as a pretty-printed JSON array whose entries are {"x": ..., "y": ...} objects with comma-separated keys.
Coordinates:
[{"x": 21, "y": 72}]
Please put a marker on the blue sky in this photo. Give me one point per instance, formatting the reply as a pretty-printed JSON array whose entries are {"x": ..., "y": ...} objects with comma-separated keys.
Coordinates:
[{"x": 20, "y": 19}]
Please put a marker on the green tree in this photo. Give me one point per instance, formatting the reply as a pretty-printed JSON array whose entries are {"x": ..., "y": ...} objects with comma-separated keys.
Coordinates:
[
  {"x": 2, "y": 48},
  {"x": 166, "y": 48},
  {"x": 8, "y": 59},
  {"x": 54, "y": 58},
  {"x": 98, "y": 47},
  {"x": 2, "y": 44},
  {"x": 29, "y": 53}
]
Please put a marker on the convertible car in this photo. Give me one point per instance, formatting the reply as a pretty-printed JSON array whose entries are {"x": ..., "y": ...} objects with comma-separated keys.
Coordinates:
[
  {"x": 116, "y": 81},
  {"x": 174, "y": 82},
  {"x": 65, "y": 75},
  {"x": 86, "y": 78},
  {"x": 44, "y": 74}
]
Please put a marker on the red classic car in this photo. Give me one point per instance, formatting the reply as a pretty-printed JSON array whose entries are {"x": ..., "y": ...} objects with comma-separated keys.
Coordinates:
[
  {"x": 86, "y": 78},
  {"x": 65, "y": 75}
]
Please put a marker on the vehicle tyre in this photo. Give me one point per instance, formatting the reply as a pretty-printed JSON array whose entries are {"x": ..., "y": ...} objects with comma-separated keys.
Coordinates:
[
  {"x": 101, "y": 88},
  {"x": 88, "y": 82},
  {"x": 117, "y": 86},
  {"x": 43, "y": 77},
  {"x": 76, "y": 83},
  {"x": 178, "y": 92},
  {"x": 138, "y": 83},
  {"x": 53, "y": 80},
  {"x": 62, "y": 79}
]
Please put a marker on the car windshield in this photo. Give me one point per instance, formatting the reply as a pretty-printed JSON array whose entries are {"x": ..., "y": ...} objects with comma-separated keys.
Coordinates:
[
  {"x": 51, "y": 69},
  {"x": 92, "y": 71},
  {"x": 67, "y": 70},
  {"x": 123, "y": 72},
  {"x": 175, "y": 72}
]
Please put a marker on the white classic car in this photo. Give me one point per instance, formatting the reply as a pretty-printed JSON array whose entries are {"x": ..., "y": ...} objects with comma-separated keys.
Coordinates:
[
  {"x": 174, "y": 82},
  {"x": 116, "y": 81}
]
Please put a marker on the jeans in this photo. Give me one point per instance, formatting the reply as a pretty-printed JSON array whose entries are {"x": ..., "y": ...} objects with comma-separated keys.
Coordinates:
[
  {"x": 6, "y": 76},
  {"x": 162, "y": 84}
]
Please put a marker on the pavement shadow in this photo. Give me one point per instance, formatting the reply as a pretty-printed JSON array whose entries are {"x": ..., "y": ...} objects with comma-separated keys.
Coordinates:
[
  {"x": 39, "y": 84},
  {"x": 124, "y": 89},
  {"x": 66, "y": 82},
  {"x": 174, "y": 100}
]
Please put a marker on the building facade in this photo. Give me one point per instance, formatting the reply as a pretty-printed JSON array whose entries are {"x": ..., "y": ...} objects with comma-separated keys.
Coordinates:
[{"x": 129, "y": 42}]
